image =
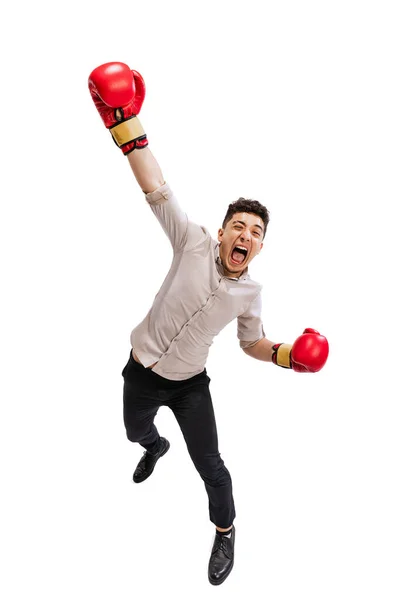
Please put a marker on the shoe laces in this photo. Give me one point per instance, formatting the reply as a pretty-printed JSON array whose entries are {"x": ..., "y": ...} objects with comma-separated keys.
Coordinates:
[
  {"x": 222, "y": 543},
  {"x": 142, "y": 462}
]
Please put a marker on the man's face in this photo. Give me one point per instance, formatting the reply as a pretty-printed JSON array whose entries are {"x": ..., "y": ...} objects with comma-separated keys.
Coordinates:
[{"x": 245, "y": 230}]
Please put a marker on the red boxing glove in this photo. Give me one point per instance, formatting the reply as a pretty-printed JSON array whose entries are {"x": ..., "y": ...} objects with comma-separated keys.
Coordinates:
[
  {"x": 118, "y": 94},
  {"x": 308, "y": 354}
]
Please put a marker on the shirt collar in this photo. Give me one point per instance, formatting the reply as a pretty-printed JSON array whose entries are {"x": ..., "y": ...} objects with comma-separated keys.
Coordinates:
[{"x": 220, "y": 268}]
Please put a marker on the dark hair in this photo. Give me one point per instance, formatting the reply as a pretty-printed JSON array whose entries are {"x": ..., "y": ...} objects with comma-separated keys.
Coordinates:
[{"x": 249, "y": 206}]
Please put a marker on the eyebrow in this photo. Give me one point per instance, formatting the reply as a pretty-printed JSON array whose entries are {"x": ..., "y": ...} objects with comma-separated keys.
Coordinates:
[{"x": 243, "y": 223}]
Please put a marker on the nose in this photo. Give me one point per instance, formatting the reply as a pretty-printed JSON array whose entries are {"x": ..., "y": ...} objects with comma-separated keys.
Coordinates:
[{"x": 245, "y": 235}]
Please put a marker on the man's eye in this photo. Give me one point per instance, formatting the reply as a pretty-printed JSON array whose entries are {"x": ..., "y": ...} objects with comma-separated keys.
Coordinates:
[{"x": 257, "y": 233}]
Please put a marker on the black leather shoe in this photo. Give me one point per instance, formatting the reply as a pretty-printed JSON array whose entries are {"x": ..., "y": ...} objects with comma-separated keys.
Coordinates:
[
  {"x": 148, "y": 462},
  {"x": 221, "y": 560}
]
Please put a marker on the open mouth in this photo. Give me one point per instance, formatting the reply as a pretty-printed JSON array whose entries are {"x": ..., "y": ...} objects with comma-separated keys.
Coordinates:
[{"x": 238, "y": 255}]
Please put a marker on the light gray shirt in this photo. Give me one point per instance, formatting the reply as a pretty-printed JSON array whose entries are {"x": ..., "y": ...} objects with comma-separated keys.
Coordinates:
[{"x": 196, "y": 300}]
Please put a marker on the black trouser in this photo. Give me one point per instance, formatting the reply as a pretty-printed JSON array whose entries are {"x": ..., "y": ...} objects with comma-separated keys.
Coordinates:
[{"x": 190, "y": 401}]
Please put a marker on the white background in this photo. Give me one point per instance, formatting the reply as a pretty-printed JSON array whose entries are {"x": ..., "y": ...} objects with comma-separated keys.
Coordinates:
[{"x": 295, "y": 104}]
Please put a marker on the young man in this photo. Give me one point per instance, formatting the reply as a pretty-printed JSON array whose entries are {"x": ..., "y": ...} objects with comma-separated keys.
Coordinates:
[{"x": 207, "y": 286}]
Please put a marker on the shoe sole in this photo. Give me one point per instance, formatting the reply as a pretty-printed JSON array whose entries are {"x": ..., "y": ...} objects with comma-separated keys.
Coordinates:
[
  {"x": 221, "y": 580},
  {"x": 148, "y": 474}
]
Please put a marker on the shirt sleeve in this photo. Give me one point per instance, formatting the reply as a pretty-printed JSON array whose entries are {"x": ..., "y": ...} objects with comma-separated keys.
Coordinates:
[
  {"x": 250, "y": 327},
  {"x": 182, "y": 233}
]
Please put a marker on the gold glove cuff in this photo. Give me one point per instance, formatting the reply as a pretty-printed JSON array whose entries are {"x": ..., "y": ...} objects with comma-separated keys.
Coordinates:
[
  {"x": 283, "y": 355},
  {"x": 127, "y": 131}
]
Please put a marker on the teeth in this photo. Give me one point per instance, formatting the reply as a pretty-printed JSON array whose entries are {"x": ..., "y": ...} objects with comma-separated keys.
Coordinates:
[{"x": 241, "y": 247}]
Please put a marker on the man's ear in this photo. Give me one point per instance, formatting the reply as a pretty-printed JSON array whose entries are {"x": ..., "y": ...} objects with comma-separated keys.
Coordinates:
[{"x": 220, "y": 233}]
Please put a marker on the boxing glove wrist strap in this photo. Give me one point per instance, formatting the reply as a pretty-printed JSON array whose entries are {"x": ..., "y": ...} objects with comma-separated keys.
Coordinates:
[
  {"x": 127, "y": 131},
  {"x": 281, "y": 355}
]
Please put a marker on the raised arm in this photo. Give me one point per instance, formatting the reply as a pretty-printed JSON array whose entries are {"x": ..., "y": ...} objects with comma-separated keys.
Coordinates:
[
  {"x": 118, "y": 94},
  {"x": 146, "y": 170}
]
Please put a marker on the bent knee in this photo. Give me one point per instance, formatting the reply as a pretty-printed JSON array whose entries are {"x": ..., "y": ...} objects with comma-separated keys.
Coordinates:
[{"x": 133, "y": 434}]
